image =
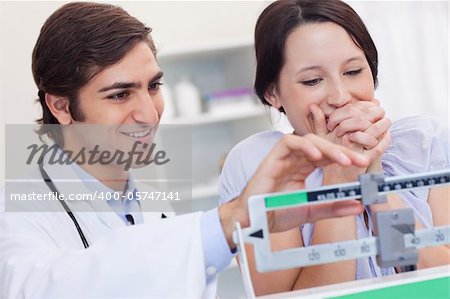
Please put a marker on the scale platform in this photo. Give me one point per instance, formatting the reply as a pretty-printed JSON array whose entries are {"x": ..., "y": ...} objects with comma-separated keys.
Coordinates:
[{"x": 432, "y": 283}]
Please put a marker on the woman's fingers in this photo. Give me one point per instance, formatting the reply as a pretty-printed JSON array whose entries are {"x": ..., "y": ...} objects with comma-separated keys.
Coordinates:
[
  {"x": 370, "y": 137},
  {"x": 352, "y": 125},
  {"x": 318, "y": 120},
  {"x": 379, "y": 128},
  {"x": 369, "y": 110},
  {"x": 374, "y": 113},
  {"x": 363, "y": 139},
  {"x": 380, "y": 148}
]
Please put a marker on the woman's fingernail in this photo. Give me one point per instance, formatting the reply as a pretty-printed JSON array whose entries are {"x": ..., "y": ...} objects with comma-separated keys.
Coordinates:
[
  {"x": 362, "y": 159},
  {"x": 344, "y": 159}
]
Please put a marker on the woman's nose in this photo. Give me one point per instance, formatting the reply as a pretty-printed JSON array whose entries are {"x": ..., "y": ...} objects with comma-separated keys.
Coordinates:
[{"x": 338, "y": 94}]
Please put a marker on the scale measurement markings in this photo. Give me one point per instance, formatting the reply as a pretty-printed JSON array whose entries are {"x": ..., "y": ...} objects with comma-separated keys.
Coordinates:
[
  {"x": 353, "y": 190},
  {"x": 353, "y": 249},
  {"x": 328, "y": 253}
]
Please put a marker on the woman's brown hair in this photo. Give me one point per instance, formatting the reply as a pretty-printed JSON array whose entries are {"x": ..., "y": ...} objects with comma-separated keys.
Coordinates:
[{"x": 280, "y": 18}]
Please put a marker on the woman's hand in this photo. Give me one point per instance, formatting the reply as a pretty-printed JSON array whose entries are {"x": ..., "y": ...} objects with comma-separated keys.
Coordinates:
[{"x": 360, "y": 126}]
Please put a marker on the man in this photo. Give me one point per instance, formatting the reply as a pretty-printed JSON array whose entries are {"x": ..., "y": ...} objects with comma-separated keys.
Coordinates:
[{"x": 96, "y": 65}]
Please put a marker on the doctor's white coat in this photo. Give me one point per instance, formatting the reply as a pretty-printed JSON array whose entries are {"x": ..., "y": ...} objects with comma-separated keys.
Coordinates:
[{"x": 42, "y": 255}]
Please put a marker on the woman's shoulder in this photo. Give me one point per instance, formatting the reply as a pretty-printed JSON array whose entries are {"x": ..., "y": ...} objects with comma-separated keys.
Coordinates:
[
  {"x": 242, "y": 162},
  {"x": 264, "y": 137},
  {"x": 260, "y": 141},
  {"x": 419, "y": 144},
  {"x": 424, "y": 125}
]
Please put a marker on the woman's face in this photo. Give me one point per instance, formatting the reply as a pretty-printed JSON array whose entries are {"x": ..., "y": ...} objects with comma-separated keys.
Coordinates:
[{"x": 323, "y": 66}]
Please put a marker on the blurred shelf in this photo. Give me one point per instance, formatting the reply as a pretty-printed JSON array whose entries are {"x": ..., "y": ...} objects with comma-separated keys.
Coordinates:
[
  {"x": 199, "y": 50},
  {"x": 209, "y": 118},
  {"x": 213, "y": 67}
]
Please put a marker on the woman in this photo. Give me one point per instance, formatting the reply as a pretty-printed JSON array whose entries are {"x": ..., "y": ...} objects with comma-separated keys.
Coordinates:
[{"x": 317, "y": 63}]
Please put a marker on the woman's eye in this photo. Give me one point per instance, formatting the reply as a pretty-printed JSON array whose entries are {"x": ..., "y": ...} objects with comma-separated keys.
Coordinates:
[
  {"x": 353, "y": 72},
  {"x": 118, "y": 96},
  {"x": 312, "y": 82},
  {"x": 154, "y": 86}
]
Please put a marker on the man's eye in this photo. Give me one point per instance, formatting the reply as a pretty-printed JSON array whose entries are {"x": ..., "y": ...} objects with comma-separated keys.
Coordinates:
[
  {"x": 312, "y": 82},
  {"x": 118, "y": 96},
  {"x": 154, "y": 86},
  {"x": 353, "y": 72}
]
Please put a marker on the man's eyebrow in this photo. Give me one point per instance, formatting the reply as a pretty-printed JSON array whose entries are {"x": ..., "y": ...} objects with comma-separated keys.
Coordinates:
[
  {"x": 121, "y": 85},
  {"x": 128, "y": 85},
  {"x": 157, "y": 77}
]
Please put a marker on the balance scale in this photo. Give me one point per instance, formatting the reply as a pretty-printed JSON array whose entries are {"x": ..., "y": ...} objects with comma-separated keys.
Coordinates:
[{"x": 396, "y": 244}]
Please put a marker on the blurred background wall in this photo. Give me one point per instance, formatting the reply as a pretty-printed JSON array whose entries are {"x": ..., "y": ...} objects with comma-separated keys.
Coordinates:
[{"x": 411, "y": 36}]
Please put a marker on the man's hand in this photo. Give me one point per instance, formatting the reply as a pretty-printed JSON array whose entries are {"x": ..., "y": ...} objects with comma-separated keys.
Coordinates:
[{"x": 285, "y": 168}]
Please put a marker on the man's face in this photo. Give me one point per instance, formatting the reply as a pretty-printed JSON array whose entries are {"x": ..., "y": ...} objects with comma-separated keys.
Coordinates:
[{"x": 122, "y": 104}]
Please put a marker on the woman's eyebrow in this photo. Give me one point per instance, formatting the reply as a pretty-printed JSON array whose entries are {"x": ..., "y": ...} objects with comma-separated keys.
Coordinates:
[
  {"x": 314, "y": 67},
  {"x": 308, "y": 68},
  {"x": 355, "y": 58}
]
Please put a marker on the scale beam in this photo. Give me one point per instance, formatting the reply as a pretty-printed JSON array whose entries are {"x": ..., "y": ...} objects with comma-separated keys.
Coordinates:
[{"x": 396, "y": 244}]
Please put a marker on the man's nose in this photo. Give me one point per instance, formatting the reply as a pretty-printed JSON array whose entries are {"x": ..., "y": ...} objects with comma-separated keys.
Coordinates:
[{"x": 145, "y": 110}]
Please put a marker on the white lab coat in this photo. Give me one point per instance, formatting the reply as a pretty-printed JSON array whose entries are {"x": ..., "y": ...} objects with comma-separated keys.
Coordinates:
[{"x": 42, "y": 255}]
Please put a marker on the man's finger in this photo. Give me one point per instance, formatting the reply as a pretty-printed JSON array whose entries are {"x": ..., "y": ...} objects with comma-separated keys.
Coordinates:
[
  {"x": 292, "y": 143},
  {"x": 337, "y": 153}
]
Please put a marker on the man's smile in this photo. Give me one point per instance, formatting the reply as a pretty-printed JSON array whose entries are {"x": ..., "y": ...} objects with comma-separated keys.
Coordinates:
[{"x": 138, "y": 133}]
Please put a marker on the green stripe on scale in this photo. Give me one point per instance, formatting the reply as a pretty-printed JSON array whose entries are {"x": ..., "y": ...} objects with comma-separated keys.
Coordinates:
[
  {"x": 286, "y": 200},
  {"x": 433, "y": 288}
]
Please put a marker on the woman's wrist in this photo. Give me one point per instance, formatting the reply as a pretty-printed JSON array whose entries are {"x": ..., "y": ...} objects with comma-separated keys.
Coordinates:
[
  {"x": 336, "y": 174},
  {"x": 375, "y": 166}
]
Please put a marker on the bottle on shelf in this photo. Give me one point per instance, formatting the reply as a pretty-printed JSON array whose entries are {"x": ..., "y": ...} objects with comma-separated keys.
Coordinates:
[
  {"x": 188, "y": 98},
  {"x": 169, "y": 107}
]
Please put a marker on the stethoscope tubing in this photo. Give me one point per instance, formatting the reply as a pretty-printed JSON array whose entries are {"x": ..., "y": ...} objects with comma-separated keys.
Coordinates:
[{"x": 48, "y": 181}]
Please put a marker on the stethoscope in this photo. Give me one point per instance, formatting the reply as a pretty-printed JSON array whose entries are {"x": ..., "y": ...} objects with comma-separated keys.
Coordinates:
[{"x": 48, "y": 181}]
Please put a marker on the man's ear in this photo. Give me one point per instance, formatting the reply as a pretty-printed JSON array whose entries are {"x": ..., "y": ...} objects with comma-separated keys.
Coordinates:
[
  {"x": 272, "y": 97},
  {"x": 59, "y": 107}
]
